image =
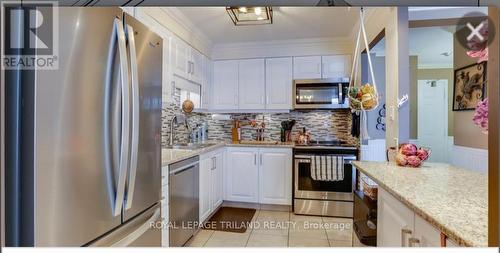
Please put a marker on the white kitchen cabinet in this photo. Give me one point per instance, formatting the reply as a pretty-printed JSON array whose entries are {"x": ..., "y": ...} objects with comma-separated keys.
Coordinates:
[
  {"x": 307, "y": 67},
  {"x": 398, "y": 226},
  {"x": 336, "y": 67},
  {"x": 217, "y": 184},
  {"x": 395, "y": 221},
  {"x": 180, "y": 58},
  {"x": 251, "y": 84},
  {"x": 241, "y": 175},
  {"x": 259, "y": 175},
  {"x": 427, "y": 235},
  {"x": 187, "y": 61},
  {"x": 206, "y": 88},
  {"x": 211, "y": 183},
  {"x": 225, "y": 85},
  {"x": 275, "y": 176},
  {"x": 196, "y": 70},
  {"x": 205, "y": 181},
  {"x": 279, "y": 80}
]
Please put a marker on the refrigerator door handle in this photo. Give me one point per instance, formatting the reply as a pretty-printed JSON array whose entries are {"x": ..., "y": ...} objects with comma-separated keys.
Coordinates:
[
  {"x": 125, "y": 106},
  {"x": 135, "y": 118},
  {"x": 130, "y": 238}
]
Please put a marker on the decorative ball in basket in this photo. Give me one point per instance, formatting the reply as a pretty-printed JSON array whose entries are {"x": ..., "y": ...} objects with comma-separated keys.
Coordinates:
[
  {"x": 187, "y": 106},
  {"x": 410, "y": 156}
]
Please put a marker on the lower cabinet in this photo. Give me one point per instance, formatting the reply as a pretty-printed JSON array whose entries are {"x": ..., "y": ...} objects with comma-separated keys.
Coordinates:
[
  {"x": 217, "y": 184},
  {"x": 275, "y": 176},
  {"x": 398, "y": 226},
  {"x": 211, "y": 167},
  {"x": 259, "y": 175},
  {"x": 241, "y": 178}
]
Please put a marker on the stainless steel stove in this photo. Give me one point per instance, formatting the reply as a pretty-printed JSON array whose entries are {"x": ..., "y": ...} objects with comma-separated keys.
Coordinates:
[{"x": 324, "y": 197}]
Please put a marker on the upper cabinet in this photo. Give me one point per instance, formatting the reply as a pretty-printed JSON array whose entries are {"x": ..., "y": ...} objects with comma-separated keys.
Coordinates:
[
  {"x": 196, "y": 69},
  {"x": 279, "y": 83},
  {"x": 251, "y": 84},
  {"x": 180, "y": 58},
  {"x": 307, "y": 67},
  {"x": 207, "y": 80},
  {"x": 335, "y": 67},
  {"x": 187, "y": 61},
  {"x": 225, "y": 85}
]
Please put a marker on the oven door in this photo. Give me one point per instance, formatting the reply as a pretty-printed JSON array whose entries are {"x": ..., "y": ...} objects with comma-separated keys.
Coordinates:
[
  {"x": 306, "y": 187},
  {"x": 319, "y": 94}
]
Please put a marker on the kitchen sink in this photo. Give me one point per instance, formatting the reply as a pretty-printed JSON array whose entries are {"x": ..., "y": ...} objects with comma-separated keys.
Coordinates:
[{"x": 190, "y": 146}]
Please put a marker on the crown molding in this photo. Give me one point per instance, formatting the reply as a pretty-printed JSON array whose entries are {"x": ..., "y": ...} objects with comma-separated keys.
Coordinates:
[{"x": 188, "y": 26}]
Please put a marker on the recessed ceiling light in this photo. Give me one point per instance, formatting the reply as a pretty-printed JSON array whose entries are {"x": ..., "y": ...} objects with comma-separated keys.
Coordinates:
[{"x": 243, "y": 9}]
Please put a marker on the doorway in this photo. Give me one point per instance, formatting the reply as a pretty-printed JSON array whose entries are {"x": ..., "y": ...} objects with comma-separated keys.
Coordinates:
[{"x": 432, "y": 131}]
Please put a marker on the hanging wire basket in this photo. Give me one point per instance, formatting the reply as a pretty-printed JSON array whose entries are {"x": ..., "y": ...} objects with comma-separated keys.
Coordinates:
[{"x": 362, "y": 97}]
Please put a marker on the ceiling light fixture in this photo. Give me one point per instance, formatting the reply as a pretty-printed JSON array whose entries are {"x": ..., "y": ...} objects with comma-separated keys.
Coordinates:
[
  {"x": 257, "y": 11},
  {"x": 250, "y": 15}
]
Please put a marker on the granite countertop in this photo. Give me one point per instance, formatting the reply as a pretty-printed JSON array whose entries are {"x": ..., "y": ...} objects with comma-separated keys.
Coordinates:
[
  {"x": 454, "y": 200},
  {"x": 265, "y": 145},
  {"x": 169, "y": 156}
]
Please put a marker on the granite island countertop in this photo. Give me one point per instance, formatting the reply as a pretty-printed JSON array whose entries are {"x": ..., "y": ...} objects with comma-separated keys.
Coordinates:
[{"x": 453, "y": 200}]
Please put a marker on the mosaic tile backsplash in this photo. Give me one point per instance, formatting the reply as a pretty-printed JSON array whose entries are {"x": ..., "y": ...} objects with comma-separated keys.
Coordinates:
[{"x": 321, "y": 124}]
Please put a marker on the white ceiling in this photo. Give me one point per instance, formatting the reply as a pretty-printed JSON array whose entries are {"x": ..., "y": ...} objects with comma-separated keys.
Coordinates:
[
  {"x": 288, "y": 23},
  {"x": 428, "y": 43}
]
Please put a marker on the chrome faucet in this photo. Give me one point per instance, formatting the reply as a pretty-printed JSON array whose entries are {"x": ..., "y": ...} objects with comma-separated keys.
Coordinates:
[{"x": 177, "y": 118}]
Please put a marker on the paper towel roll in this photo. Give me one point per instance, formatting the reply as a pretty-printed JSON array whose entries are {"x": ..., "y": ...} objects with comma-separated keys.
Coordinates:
[{"x": 221, "y": 117}]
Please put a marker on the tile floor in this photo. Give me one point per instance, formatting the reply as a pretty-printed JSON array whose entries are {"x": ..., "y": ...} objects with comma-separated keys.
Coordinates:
[{"x": 281, "y": 229}]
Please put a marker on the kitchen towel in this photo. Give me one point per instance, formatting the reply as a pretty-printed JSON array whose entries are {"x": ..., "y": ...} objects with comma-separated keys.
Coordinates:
[
  {"x": 327, "y": 168},
  {"x": 355, "y": 126}
]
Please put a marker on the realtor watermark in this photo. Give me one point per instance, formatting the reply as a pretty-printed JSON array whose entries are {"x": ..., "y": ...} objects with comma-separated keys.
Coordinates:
[
  {"x": 29, "y": 35},
  {"x": 266, "y": 225}
]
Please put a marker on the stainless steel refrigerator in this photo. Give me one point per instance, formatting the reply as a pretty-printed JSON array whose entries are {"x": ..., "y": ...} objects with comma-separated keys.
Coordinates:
[{"x": 85, "y": 156}]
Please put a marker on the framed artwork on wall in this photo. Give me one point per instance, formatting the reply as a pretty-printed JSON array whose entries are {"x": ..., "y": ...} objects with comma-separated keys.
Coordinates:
[{"x": 469, "y": 86}]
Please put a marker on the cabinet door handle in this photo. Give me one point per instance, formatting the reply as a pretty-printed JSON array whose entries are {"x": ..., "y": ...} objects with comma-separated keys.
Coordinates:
[
  {"x": 404, "y": 232},
  {"x": 255, "y": 159},
  {"x": 192, "y": 69},
  {"x": 412, "y": 242},
  {"x": 260, "y": 159},
  {"x": 319, "y": 68}
]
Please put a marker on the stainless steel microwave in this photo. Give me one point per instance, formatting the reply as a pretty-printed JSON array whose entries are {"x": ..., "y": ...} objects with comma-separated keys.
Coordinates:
[{"x": 320, "y": 94}]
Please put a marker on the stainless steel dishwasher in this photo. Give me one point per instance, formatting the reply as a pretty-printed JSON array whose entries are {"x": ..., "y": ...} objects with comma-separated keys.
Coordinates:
[{"x": 183, "y": 200}]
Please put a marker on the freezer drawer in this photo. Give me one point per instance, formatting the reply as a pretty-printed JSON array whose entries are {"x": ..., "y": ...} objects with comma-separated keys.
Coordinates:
[{"x": 141, "y": 231}]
